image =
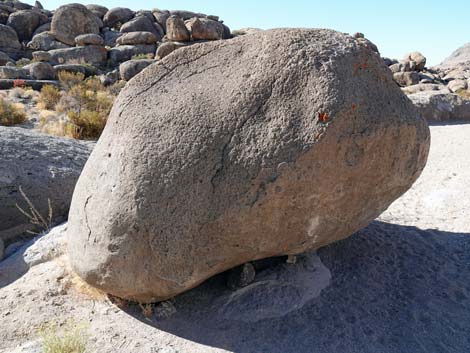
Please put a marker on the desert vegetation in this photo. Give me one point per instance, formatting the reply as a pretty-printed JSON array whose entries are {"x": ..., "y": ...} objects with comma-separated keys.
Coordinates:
[
  {"x": 71, "y": 338},
  {"x": 77, "y": 108},
  {"x": 11, "y": 114}
]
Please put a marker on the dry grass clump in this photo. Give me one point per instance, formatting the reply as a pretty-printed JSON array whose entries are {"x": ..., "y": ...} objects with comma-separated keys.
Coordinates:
[
  {"x": 79, "y": 109},
  {"x": 11, "y": 114},
  {"x": 87, "y": 105},
  {"x": 70, "y": 338},
  {"x": 43, "y": 223},
  {"x": 464, "y": 93},
  {"x": 49, "y": 97},
  {"x": 143, "y": 56},
  {"x": 69, "y": 79}
]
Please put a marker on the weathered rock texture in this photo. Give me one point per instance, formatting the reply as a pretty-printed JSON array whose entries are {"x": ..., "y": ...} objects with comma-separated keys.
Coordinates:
[
  {"x": 44, "y": 167},
  {"x": 287, "y": 140}
]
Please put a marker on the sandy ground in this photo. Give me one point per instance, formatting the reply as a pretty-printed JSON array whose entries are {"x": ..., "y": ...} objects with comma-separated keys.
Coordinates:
[
  {"x": 440, "y": 198},
  {"x": 400, "y": 285}
]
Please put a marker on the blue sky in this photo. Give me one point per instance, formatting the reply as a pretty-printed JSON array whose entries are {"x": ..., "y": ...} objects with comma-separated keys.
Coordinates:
[{"x": 434, "y": 27}]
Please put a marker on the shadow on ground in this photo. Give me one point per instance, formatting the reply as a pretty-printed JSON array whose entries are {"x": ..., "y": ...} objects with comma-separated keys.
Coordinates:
[{"x": 392, "y": 289}]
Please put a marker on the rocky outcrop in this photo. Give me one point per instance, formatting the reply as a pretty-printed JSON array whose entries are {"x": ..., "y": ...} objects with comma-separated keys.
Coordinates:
[
  {"x": 440, "y": 93},
  {"x": 260, "y": 156},
  {"x": 45, "y": 167},
  {"x": 32, "y": 29},
  {"x": 441, "y": 106},
  {"x": 459, "y": 57}
]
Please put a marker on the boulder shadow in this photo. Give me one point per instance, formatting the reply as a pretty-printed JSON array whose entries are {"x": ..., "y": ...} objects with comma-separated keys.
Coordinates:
[{"x": 392, "y": 288}]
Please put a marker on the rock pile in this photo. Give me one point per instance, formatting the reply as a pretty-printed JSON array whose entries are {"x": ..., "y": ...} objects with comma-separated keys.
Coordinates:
[
  {"x": 440, "y": 93},
  {"x": 288, "y": 140},
  {"x": 94, "y": 39}
]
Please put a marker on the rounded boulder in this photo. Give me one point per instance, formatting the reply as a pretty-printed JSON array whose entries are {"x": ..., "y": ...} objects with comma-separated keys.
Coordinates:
[
  {"x": 270, "y": 144},
  {"x": 69, "y": 21}
]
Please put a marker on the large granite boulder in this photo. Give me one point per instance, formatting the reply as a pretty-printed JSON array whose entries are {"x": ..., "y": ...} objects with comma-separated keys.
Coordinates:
[
  {"x": 25, "y": 23},
  {"x": 278, "y": 142},
  {"x": 9, "y": 38},
  {"x": 44, "y": 167},
  {"x": 69, "y": 21}
]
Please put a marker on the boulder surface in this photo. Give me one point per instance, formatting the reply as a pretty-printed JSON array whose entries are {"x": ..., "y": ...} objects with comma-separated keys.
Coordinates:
[
  {"x": 279, "y": 142},
  {"x": 44, "y": 167},
  {"x": 69, "y": 21}
]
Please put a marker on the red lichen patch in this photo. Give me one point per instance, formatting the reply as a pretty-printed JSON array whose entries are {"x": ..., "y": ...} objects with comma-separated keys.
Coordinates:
[{"x": 323, "y": 117}]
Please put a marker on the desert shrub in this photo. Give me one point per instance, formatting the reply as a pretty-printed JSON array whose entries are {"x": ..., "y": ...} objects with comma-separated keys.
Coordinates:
[
  {"x": 72, "y": 338},
  {"x": 142, "y": 56},
  {"x": 49, "y": 97},
  {"x": 69, "y": 79},
  {"x": 464, "y": 93},
  {"x": 88, "y": 124},
  {"x": 11, "y": 114},
  {"x": 116, "y": 87},
  {"x": 87, "y": 106}
]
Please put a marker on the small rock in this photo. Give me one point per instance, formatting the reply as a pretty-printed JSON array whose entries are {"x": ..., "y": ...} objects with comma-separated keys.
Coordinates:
[
  {"x": 167, "y": 48},
  {"x": 129, "y": 69},
  {"x": 4, "y": 58},
  {"x": 2, "y": 249},
  {"x": 457, "y": 85},
  {"x": 98, "y": 10},
  {"x": 241, "y": 276},
  {"x": 205, "y": 29},
  {"x": 117, "y": 16},
  {"x": 176, "y": 30},
  {"x": 41, "y": 71},
  {"x": 418, "y": 58},
  {"x": 133, "y": 38},
  {"x": 143, "y": 24},
  {"x": 41, "y": 56},
  {"x": 406, "y": 78},
  {"x": 89, "y": 39},
  {"x": 9, "y": 38},
  {"x": 165, "y": 309}
]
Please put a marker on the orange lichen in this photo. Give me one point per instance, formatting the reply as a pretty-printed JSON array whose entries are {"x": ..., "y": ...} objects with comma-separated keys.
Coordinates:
[{"x": 323, "y": 117}]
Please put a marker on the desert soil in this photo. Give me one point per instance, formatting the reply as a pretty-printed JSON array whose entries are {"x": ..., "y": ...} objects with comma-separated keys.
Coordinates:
[{"x": 400, "y": 285}]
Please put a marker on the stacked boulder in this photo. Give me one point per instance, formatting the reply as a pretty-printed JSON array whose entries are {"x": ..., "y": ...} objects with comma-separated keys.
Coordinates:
[
  {"x": 440, "y": 93},
  {"x": 115, "y": 43}
]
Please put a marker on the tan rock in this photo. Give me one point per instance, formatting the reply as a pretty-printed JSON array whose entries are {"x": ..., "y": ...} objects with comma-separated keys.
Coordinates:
[
  {"x": 299, "y": 139},
  {"x": 176, "y": 30}
]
